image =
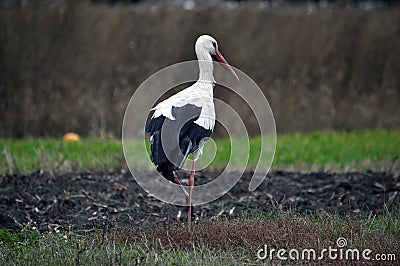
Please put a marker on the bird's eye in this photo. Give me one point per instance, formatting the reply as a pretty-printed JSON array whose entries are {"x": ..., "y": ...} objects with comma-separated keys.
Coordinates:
[{"x": 215, "y": 45}]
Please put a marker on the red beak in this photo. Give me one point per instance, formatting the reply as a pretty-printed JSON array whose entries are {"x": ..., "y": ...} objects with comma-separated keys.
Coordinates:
[{"x": 221, "y": 59}]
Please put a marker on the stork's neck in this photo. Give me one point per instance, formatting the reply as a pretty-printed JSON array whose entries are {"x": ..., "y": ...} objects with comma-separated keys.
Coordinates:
[{"x": 205, "y": 66}]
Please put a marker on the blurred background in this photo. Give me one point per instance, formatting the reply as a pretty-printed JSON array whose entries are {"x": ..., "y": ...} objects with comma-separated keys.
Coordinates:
[{"x": 73, "y": 65}]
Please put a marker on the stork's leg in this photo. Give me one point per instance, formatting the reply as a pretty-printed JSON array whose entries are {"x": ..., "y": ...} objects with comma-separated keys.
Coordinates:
[
  {"x": 181, "y": 186},
  {"x": 191, "y": 185}
]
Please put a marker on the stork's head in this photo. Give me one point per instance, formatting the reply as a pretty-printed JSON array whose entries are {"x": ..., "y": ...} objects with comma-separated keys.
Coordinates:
[{"x": 207, "y": 49}]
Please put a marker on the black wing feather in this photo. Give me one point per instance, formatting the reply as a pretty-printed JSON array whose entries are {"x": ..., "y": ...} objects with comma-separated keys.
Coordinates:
[{"x": 189, "y": 137}]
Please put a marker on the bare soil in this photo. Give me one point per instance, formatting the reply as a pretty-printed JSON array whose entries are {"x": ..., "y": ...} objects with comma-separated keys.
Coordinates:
[{"x": 85, "y": 201}]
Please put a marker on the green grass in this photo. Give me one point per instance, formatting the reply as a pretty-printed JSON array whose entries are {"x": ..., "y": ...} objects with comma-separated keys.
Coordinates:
[
  {"x": 52, "y": 154},
  {"x": 218, "y": 242},
  {"x": 341, "y": 151},
  {"x": 91, "y": 249},
  {"x": 345, "y": 150}
]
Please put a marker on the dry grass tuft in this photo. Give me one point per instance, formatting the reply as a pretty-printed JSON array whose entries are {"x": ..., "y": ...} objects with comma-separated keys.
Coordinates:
[{"x": 286, "y": 230}]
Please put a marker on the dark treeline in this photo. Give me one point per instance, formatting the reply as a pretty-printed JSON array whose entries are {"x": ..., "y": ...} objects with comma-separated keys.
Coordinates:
[
  {"x": 73, "y": 65},
  {"x": 276, "y": 2}
]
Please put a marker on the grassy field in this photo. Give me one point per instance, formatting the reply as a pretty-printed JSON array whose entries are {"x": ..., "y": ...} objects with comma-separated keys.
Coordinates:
[
  {"x": 343, "y": 151},
  {"x": 219, "y": 242},
  {"x": 215, "y": 242}
]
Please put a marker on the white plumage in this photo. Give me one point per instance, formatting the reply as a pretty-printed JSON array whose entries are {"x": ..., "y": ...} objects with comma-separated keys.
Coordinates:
[{"x": 200, "y": 93}]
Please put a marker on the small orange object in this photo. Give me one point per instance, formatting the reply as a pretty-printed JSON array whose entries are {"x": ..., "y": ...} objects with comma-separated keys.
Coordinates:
[{"x": 71, "y": 137}]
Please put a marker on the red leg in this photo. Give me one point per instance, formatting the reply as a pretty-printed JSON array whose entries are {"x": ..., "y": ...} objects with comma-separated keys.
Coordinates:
[
  {"x": 180, "y": 185},
  {"x": 191, "y": 185}
]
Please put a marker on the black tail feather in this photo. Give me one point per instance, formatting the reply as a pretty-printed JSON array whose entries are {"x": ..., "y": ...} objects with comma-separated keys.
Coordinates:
[{"x": 166, "y": 172}]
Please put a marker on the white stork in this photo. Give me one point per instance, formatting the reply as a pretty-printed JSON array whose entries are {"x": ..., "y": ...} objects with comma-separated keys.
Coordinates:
[{"x": 181, "y": 124}]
